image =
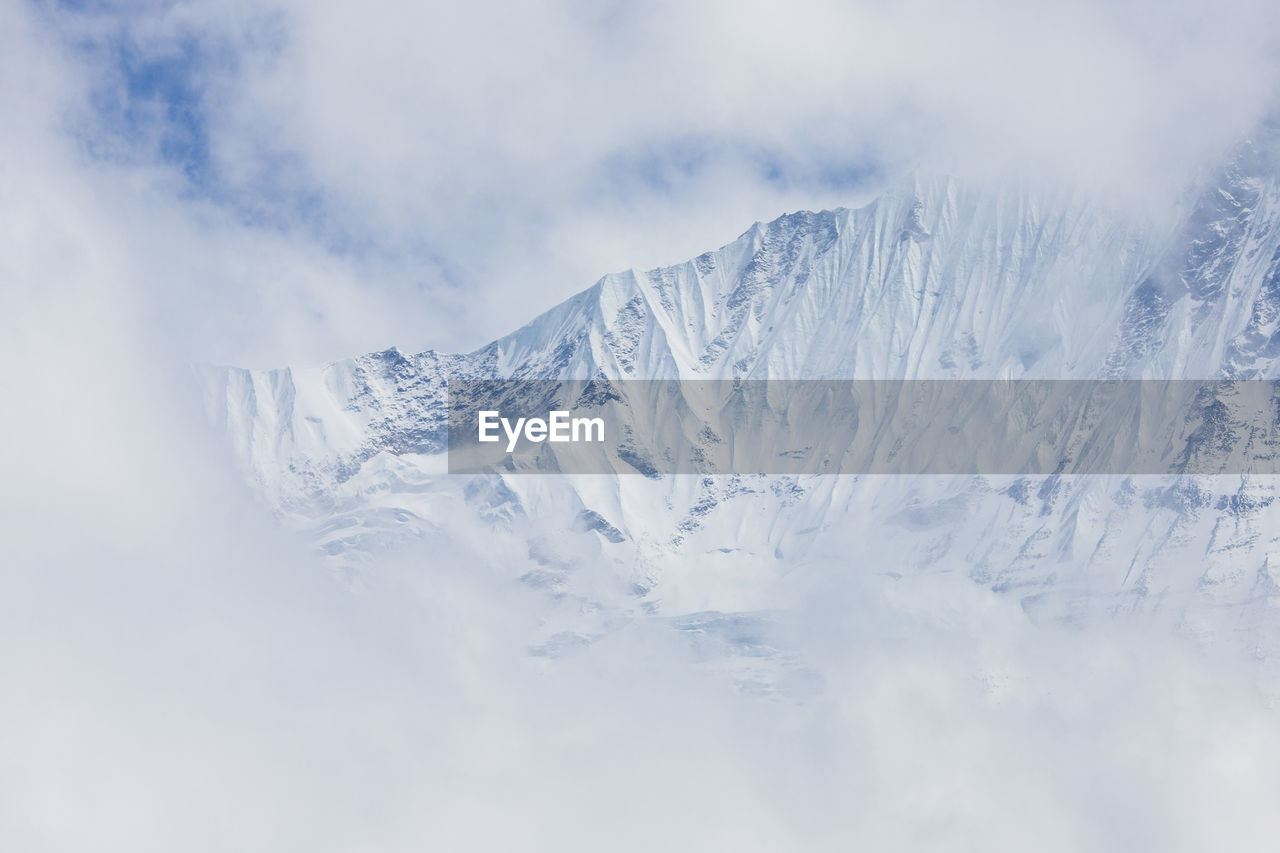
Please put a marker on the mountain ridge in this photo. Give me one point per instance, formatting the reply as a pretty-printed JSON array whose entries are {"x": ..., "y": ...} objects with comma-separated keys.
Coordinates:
[{"x": 933, "y": 279}]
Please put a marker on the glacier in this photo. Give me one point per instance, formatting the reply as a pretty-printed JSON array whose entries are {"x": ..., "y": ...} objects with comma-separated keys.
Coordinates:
[{"x": 937, "y": 278}]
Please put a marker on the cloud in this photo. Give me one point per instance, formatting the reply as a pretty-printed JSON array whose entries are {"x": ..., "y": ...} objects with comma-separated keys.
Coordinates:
[
  {"x": 469, "y": 166},
  {"x": 180, "y": 673}
]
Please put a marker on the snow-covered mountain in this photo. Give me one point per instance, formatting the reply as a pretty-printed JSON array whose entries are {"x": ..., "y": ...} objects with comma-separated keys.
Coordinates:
[{"x": 935, "y": 279}]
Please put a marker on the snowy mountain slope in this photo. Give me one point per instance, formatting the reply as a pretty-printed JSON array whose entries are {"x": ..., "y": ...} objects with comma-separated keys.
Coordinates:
[
  {"x": 931, "y": 280},
  {"x": 935, "y": 279}
]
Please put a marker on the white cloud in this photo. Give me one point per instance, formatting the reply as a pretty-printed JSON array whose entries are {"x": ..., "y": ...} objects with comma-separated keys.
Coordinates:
[
  {"x": 470, "y": 165},
  {"x": 180, "y": 674}
]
